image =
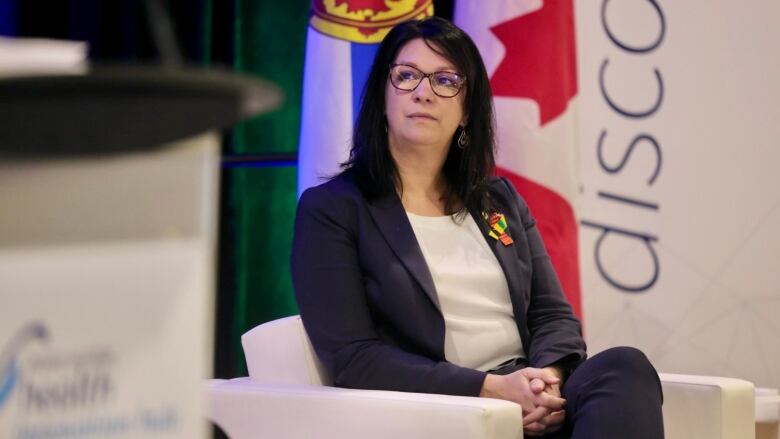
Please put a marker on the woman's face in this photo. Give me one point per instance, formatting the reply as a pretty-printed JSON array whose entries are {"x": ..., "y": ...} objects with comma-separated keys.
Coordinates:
[{"x": 420, "y": 117}]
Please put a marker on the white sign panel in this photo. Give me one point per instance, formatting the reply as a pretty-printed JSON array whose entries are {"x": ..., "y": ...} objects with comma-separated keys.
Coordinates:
[
  {"x": 680, "y": 214},
  {"x": 100, "y": 341}
]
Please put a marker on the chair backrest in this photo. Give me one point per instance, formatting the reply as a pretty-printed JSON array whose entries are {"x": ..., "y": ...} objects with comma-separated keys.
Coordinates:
[{"x": 279, "y": 352}]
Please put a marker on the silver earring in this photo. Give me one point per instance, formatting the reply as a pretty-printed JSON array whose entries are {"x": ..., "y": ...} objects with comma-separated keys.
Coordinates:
[{"x": 463, "y": 138}]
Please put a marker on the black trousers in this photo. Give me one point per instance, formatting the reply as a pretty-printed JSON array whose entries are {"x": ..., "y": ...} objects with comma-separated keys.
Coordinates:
[{"x": 615, "y": 394}]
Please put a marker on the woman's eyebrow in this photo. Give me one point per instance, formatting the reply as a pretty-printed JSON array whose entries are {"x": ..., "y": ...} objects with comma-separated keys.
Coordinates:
[{"x": 447, "y": 68}]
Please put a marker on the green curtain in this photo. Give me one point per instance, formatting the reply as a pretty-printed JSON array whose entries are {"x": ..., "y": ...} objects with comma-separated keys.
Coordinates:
[{"x": 269, "y": 41}]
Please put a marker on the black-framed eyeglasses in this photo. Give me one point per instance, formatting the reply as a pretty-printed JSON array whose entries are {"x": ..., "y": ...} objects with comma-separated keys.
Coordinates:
[{"x": 443, "y": 83}]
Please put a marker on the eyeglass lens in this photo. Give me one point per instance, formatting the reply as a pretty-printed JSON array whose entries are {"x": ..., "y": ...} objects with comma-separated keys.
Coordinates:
[{"x": 444, "y": 84}]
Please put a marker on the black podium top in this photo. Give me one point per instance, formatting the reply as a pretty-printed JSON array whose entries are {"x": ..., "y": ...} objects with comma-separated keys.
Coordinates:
[{"x": 116, "y": 109}]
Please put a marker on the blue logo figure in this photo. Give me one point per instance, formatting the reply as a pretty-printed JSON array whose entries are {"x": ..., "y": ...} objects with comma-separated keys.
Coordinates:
[{"x": 9, "y": 371}]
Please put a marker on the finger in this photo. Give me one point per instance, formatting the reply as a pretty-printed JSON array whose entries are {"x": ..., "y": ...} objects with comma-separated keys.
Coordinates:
[
  {"x": 527, "y": 407},
  {"x": 554, "y": 419},
  {"x": 554, "y": 390},
  {"x": 546, "y": 376},
  {"x": 553, "y": 403},
  {"x": 549, "y": 424},
  {"x": 534, "y": 429},
  {"x": 535, "y": 415},
  {"x": 537, "y": 385}
]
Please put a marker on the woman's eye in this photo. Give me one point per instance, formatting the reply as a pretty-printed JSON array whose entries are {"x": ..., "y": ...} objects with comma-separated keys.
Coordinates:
[
  {"x": 407, "y": 75},
  {"x": 446, "y": 80}
]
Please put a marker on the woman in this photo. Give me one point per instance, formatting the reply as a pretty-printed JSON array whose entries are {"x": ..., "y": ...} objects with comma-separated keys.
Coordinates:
[{"x": 416, "y": 270}]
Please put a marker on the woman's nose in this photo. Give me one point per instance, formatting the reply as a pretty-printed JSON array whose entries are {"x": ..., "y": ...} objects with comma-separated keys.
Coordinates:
[{"x": 423, "y": 91}]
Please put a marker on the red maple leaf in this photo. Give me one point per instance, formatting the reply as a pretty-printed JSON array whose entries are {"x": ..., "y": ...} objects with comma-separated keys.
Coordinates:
[
  {"x": 359, "y": 5},
  {"x": 540, "y": 61},
  {"x": 540, "y": 64}
]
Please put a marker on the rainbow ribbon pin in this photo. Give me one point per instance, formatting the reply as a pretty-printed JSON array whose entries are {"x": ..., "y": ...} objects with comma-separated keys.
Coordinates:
[{"x": 498, "y": 228}]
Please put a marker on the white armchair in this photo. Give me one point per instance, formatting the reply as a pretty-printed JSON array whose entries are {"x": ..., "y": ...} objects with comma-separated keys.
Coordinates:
[{"x": 288, "y": 395}]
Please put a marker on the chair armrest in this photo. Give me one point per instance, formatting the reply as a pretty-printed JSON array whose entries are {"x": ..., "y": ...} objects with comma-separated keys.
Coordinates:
[
  {"x": 704, "y": 407},
  {"x": 246, "y": 409}
]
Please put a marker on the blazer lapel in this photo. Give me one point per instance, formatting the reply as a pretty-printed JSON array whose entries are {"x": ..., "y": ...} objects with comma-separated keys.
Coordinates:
[
  {"x": 391, "y": 219},
  {"x": 514, "y": 270}
]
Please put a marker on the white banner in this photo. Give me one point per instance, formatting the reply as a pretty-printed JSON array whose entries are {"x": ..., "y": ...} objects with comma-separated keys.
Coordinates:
[{"x": 680, "y": 214}]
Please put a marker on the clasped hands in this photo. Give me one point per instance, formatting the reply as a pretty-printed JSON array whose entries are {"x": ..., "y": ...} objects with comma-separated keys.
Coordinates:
[{"x": 537, "y": 391}]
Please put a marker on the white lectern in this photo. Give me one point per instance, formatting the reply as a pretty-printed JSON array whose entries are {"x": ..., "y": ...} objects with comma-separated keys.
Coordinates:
[{"x": 108, "y": 202}]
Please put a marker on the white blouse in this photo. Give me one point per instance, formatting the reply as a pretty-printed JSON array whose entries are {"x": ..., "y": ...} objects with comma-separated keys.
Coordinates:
[{"x": 480, "y": 329}]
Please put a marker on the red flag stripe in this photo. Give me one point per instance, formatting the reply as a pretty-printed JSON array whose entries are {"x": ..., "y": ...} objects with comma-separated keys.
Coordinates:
[{"x": 557, "y": 224}]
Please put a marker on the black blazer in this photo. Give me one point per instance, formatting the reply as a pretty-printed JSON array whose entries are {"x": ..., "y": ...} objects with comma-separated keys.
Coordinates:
[{"x": 368, "y": 301}]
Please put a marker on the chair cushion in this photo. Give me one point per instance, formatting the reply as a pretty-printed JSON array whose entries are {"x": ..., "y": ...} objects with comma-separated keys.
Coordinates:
[{"x": 279, "y": 352}]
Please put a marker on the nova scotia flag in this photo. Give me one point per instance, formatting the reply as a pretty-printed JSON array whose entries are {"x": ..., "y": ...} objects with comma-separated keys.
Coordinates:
[{"x": 342, "y": 39}]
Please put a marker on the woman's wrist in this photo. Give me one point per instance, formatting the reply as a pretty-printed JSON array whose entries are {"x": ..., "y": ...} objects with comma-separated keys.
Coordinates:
[{"x": 489, "y": 386}]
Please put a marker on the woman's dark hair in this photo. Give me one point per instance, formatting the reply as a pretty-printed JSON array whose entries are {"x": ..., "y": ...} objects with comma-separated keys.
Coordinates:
[{"x": 467, "y": 170}]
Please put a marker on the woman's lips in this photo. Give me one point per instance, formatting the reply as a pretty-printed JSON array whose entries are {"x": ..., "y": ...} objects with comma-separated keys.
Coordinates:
[{"x": 421, "y": 116}]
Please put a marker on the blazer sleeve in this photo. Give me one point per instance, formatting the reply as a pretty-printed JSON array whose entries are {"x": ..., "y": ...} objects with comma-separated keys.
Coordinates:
[
  {"x": 555, "y": 332},
  {"x": 328, "y": 283}
]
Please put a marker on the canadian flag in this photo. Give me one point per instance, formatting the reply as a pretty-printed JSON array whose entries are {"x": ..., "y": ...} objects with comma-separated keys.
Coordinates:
[{"x": 529, "y": 51}]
